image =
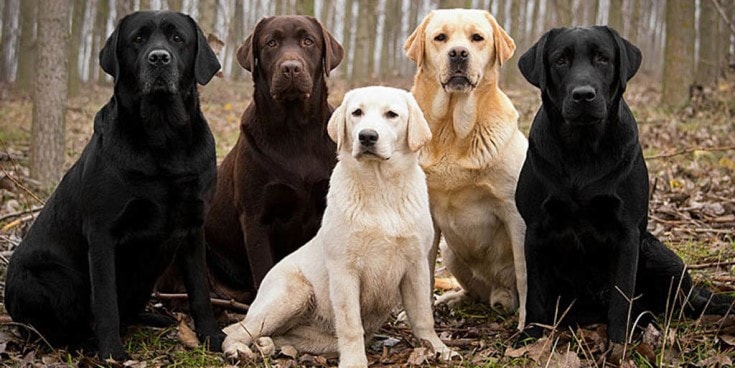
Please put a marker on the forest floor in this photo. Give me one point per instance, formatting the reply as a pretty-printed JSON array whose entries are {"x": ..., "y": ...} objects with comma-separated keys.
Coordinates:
[{"x": 691, "y": 160}]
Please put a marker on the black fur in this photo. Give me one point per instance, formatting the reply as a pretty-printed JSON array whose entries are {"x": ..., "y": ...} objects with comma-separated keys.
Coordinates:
[
  {"x": 133, "y": 203},
  {"x": 583, "y": 192}
]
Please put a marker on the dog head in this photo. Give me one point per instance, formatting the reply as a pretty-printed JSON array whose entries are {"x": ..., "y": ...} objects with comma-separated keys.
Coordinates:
[
  {"x": 290, "y": 53},
  {"x": 459, "y": 47},
  {"x": 158, "y": 53},
  {"x": 375, "y": 123},
  {"x": 582, "y": 72}
]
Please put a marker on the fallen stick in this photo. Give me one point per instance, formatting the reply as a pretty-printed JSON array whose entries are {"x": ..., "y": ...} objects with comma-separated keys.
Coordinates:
[
  {"x": 690, "y": 150},
  {"x": 20, "y": 213},
  {"x": 231, "y": 304},
  {"x": 700, "y": 266},
  {"x": 17, "y": 222}
]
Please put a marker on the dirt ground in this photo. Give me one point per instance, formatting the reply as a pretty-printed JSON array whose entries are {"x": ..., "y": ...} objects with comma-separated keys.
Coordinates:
[{"x": 691, "y": 160}]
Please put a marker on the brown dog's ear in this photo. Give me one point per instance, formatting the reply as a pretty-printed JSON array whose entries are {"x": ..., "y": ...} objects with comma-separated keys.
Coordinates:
[
  {"x": 333, "y": 52},
  {"x": 416, "y": 42},
  {"x": 248, "y": 51},
  {"x": 418, "y": 132},
  {"x": 336, "y": 127},
  {"x": 504, "y": 44}
]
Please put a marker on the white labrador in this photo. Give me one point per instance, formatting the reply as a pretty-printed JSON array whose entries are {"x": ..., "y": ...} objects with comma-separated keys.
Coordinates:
[{"x": 371, "y": 251}]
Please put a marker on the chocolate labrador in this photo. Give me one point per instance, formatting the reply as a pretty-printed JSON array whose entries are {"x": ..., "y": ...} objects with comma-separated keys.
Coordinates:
[
  {"x": 272, "y": 186},
  {"x": 583, "y": 193},
  {"x": 133, "y": 203}
]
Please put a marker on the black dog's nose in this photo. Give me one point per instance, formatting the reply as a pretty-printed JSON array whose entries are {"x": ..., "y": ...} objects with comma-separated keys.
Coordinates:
[
  {"x": 584, "y": 93},
  {"x": 291, "y": 67},
  {"x": 159, "y": 57},
  {"x": 368, "y": 137},
  {"x": 459, "y": 53}
]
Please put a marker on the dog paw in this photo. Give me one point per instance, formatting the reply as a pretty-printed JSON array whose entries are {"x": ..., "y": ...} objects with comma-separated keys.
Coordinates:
[
  {"x": 446, "y": 354},
  {"x": 452, "y": 298},
  {"x": 214, "y": 340},
  {"x": 266, "y": 346},
  {"x": 118, "y": 355},
  {"x": 353, "y": 363},
  {"x": 236, "y": 350}
]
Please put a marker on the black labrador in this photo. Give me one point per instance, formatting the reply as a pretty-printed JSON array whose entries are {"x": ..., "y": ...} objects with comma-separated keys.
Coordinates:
[
  {"x": 133, "y": 203},
  {"x": 583, "y": 192},
  {"x": 272, "y": 185}
]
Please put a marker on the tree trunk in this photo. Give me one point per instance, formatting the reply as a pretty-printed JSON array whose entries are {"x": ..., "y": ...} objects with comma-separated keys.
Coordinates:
[
  {"x": 175, "y": 5},
  {"x": 49, "y": 107},
  {"x": 346, "y": 40},
  {"x": 305, "y": 7},
  {"x": 74, "y": 43},
  {"x": 615, "y": 15},
  {"x": 372, "y": 19},
  {"x": 206, "y": 16},
  {"x": 26, "y": 57},
  {"x": 708, "y": 66},
  {"x": 100, "y": 36},
  {"x": 679, "y": 53},
  {"x": 123, "y": 8},
  {"x": 563, "y": 12},
  {"x": 11, "y": 18},
  {"x": 516, "y": 28},
  {"x": 451, "y": 4},
  {"x": 359, "y": 63}
]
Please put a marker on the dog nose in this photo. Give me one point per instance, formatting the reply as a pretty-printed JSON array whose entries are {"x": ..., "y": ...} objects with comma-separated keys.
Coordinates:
[
  {"x": 159, "y": 57},
  {"x": 459, "y": 53},
  {"x": 583, "y": 93},
  {"x": 368, "y": 137},
  {"x": 291, "y": 67}
]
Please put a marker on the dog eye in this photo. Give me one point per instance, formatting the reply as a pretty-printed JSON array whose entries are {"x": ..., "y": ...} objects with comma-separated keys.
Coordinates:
[
  {"x": 178, "y": 38},
  {"x": 441, "y": 37},
  {"x": 391, "y": 115},
  {"x": 272, "y": 43},
  {"x": 357, "y": 113},
  {"x": 477, "y": 38},
  {"x": 138, "y": 39},
  {"x": 601, "y": 59},
  {"x": 561, "y": 61},
  {"x": 308, "y": 41}
]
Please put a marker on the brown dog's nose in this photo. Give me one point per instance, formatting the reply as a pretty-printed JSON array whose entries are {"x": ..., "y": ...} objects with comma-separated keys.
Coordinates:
[
  {"x": 291, "y": 68},
  {"x": 459, "y": 53}
]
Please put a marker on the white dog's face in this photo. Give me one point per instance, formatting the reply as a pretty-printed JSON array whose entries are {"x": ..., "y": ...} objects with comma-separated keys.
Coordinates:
[
  {"x": 373, "y": 123},
  {"x": 459, "y": 46}
]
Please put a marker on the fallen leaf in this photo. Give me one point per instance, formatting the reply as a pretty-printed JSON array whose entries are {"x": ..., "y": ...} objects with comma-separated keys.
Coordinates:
[
  {"x": 534, "y": 350},
  {"x": 186, "y": 336},
  {"x": 728, "y": 339},
  {"x": 420, "y": 356},
  {"x": 566, "y": 360},
  {"x": 652, "y": 336}
]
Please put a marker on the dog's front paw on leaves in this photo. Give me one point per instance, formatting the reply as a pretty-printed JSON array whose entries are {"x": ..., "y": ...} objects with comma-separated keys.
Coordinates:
[{"x": 237, "y": 351}]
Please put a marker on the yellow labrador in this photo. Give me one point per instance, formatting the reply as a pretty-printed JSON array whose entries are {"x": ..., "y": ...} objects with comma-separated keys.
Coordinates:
[
  {"x": 370, "y": 253},
  {"x": 475, "y": 156}
]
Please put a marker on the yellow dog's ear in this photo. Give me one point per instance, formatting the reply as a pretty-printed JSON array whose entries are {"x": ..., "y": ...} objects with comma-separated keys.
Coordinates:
[
  {"x": 337, "y": 125},
  {"x": 418, "y": 132},
  {"x": 416, "y": 42},
  {"x": 504, "y": 44}
]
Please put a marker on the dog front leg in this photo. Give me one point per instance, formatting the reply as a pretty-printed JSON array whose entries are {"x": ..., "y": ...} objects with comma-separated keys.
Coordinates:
[
  {"x": 344, "y": 293},
  {"x": 190, "y": 261},
  {"x": 413, "y": 292},
  {"x": 102, "y": 273},
  {"x": 623, "y": 288},
  {"x": 538, "y": 290},
  {"x": 433, "y": 252},
  {"x": 517, "y": 233},
  {"x": 258, "y": 247}
]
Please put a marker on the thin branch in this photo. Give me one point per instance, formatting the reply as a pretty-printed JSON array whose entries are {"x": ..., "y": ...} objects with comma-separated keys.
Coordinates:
[
  {"x": 690, "y": 150},
  {"x": 20, "y": 213},
  {"x": 231, "y": 304},
  {"x": 723, "y": 15},
  {"x": 700, "y": 266}
]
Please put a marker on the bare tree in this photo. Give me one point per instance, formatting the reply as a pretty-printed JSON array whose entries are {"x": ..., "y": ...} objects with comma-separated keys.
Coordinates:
[
  {"x": 11, "y": 13},
  {"x": 679, "y": 53},
  {"x": 75, "y": 39},
  {"x": 708, "y": 65},
  {"x": 49, "y": 107},
  {"x": 26, "y": 57},
  {"x": 615, "y": 16}
]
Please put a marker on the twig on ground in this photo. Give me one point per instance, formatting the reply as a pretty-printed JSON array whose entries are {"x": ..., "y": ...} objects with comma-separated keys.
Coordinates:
[
  {"x": 20, "y": 213},
  {"x": 17, "y": 222},
  {"x": 231, "y": 304},
  {"x": 700, "y": 266},
  {"x": 690, "y": 150}
]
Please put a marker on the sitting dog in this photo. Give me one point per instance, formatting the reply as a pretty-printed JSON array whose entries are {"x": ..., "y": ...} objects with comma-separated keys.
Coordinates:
[
  {"x": 272, "y": 186},
  {"x": 473, "y": 161},
  {"x": 583, "y": 193},
  {"x": 133, "y": 203},
  {"x": 370, "y": 253}
]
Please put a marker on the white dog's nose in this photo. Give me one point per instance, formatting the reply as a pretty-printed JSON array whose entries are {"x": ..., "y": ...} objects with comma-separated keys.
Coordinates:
[{"x": 368, "y": 137}]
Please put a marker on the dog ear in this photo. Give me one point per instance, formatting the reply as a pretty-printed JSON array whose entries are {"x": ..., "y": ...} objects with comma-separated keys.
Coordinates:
[
  {"x": 248, "y": 51},
  {"x": 333, "y": 52},
  {"x": 418, "y": 132},
  {"x": 108, "y": 54},
  {"x": 336, "y": 127},
  {"x": 627, "y": 57},
  {"x": 206, "y": 64},
  {"x": 504, "y": 44},
  {"x": 532, "y": 61},
  {"x": 416, "y": 42}
]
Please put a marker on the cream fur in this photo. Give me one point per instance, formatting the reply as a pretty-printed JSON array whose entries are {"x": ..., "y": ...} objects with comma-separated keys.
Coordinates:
[
  {"x": 474, "y": 158},
  {"x": 369, "y": 255}
]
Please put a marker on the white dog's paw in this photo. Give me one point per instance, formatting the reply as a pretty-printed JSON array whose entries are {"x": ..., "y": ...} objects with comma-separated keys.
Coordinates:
[
  {"x": 353, "y": 361},
  {"x": 446, "y": 354},
  {"x": 452, "y": 298},
  {"x": 266, "y": 346},
  {"x": 236, "y": 350}
]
